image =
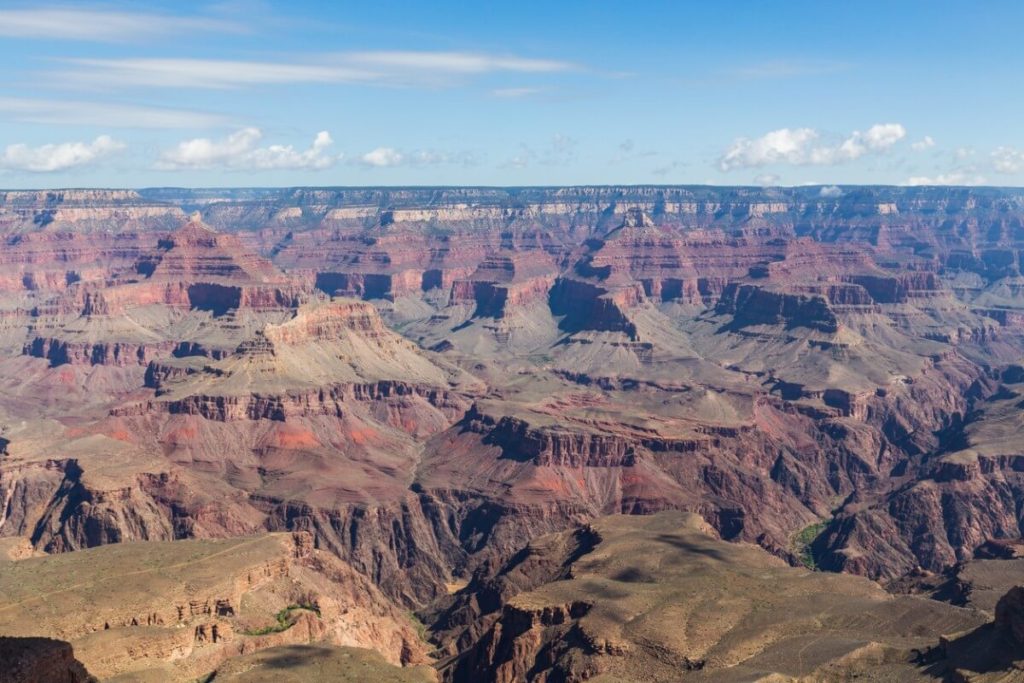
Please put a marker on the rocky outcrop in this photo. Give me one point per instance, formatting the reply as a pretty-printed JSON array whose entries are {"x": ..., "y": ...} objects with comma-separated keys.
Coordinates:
[
  {"x": 40, "y": 660},
  {"x": 589, "y": 307},
  {"x": 373, "y": 285},
  {"x": 329, "y": 322},
  {"x": 120, "y": 354},
  {"x": 518, "y": 441},
  {"x": 941, "y": 509},
  {"x": 1010, "y": 615},
  {"x": 752, "y": 305},
  {"x": 993, "y": 651},
  {"x": 897, "y": 289},
  {"x": 460, "y": 620},
  {"x": 194, "y": 252},
  {"x": 80, "y": 516},
  {"x": 331, "y": 400},
  {"x": 46, "y": 262},
  {"x": 504, "y": 283}
]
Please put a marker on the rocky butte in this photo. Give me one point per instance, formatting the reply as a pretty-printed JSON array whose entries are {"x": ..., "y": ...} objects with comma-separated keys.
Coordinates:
[{"x": 512, "y": 434}]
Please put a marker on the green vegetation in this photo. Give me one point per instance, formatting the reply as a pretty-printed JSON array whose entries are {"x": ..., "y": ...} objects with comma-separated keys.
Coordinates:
[
  {"x": 282, "y": 620},
  {"x": 802, "y": 544},
  {"x": 421, "y": 628}
]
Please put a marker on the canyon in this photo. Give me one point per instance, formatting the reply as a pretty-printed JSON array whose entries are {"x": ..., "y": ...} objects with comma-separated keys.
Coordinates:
[{"x": 510, "y": 434}]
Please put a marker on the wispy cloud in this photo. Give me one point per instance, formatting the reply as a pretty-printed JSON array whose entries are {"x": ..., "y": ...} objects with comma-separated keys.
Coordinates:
[
  {"x": 382, "y": 157},
  {"x": 204, "y": 73},
  {"x": 963, "y": 153},
  {"x": 670, "y": 167},
  {"x": 239, "y": 151},
  {"x": 627, "y": 151},
  {"x": 102, "y": 25},
  {"x": 58, "y": 156},
  {"x": 107, "y": 114},
  {"x": 802, "y": 146},
  {"x": 456, "y": 62},
  {"x": 786, "y": 68},
  {"x": 924, "y": 143},
  {"x": 386, "y": 157},
  {"x": 1007, "y": 159},
  {"x": 383, "y": 67},
  {"x": 559, "y": 151}
]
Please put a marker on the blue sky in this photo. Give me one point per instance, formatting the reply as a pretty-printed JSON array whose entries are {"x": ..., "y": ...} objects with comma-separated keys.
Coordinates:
[{"x": 246, "y": 92}]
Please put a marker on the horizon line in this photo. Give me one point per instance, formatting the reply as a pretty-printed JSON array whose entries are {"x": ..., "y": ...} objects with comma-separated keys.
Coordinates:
[{"x": 512, "y": 187}]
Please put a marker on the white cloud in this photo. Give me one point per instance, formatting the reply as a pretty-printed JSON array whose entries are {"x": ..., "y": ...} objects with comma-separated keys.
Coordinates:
[
  {"x": 962, "y": 153},
  {"x": 239, "y": 151},
  {"x": 966, "y": 176},
  {"x": 68, "y": 23},
  {"x": 389, "y": 68},
  {"x": 205, "y": 73},
  {"x": 881, "y": 136},
  {"x": 800, "y": 146},
  {"x": 767, "y": 179},
  {"x": 383, "y": 157},
  {"x": 68, "y": 112},
  {"x": 427, "y": 157},
  {"x": 783, "y": 145},
  {"x": 1007, "y": 159},
  {"x": 58, "y": 157},
  {"x": 924, "y": 143},
  {"x": 830, "y": 192}
]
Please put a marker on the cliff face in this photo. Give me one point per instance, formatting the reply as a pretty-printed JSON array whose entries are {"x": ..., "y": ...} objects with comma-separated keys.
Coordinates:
[
  {"x": 751, "y": 305},
  {"x": 60, "y": 352},
  {"x": 83, "y": 210}
]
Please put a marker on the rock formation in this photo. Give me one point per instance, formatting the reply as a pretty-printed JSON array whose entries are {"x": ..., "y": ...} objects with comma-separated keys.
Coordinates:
[{"x": 40, "y": 660}]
